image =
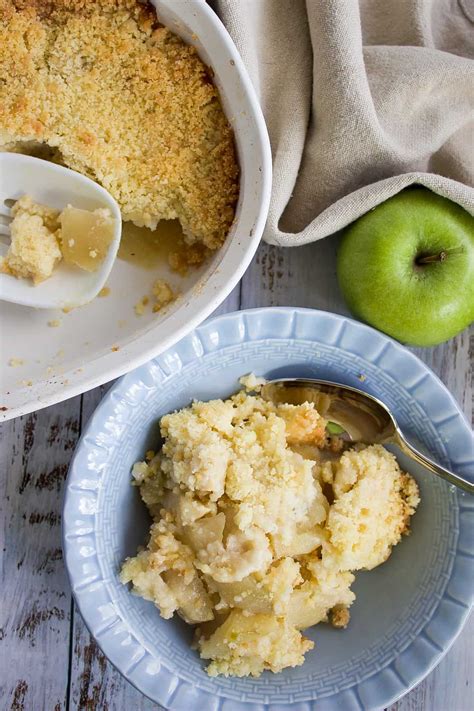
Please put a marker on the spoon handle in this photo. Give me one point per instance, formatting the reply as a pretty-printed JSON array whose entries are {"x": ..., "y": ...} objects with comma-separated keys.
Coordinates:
[{"x": 437, "y": 469}]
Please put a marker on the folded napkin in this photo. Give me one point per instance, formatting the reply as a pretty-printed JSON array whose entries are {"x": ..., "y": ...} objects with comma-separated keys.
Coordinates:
[{"x": 362, "y": 98}]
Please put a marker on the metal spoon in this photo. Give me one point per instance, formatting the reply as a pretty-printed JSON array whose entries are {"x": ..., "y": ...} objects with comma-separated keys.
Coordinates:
[{"x": 363, "y": 417}]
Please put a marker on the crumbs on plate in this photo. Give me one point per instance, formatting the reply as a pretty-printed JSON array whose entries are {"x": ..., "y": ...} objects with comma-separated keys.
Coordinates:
[
  {"x": 16, "y": 362},
  {"x": 162, "y": 295}
]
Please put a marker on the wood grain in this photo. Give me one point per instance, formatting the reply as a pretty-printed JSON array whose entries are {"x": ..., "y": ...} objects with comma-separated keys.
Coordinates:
[
  {"x": 36, "y": 601},
  {"x": 94, "y": 683},
  {"x": 51, "y": 662},
  {"x": 306, "y": 276}
]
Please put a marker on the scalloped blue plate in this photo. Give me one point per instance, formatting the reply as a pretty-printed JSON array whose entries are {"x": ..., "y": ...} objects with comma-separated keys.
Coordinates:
[{"x": 408, "y": 611}]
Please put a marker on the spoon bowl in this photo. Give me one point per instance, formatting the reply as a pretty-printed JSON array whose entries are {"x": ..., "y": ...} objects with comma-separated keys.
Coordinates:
[
  {"x": 56, "y": 186},
  {"x": 362, "y": 417}
]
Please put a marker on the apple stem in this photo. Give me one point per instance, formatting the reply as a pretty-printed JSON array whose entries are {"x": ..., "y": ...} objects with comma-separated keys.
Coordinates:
[{"x": 432, "y": 258}]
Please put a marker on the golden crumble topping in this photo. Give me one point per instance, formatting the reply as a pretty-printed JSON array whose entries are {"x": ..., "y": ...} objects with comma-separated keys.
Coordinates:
[
  {"x": 34, "y": 249},
  {"x": 42, "y": 236},
  {"x": 115, "y": 95},
  {"x": 163, "y": 294},
  {"x": 254, "y": 541}
]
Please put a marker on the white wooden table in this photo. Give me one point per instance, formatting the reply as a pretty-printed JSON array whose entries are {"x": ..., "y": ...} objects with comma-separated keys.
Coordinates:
[{"x": 48, "y": 661}]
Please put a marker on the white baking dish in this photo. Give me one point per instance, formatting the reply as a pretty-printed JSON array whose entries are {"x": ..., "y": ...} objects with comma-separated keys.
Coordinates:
[{"x": 105, "y": 339}]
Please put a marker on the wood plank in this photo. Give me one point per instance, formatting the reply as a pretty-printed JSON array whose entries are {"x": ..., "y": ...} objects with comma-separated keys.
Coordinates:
[
  {"x": 36, "y": 600},
  {"x": 95, "y": 685},
  {"x": 285, "y": 277},
  {"x": 448, "y": 687},
  {"x": 35, "y": 450},
  {"x": 452, "y": 363},
  {"x": 306, "y": 276}
]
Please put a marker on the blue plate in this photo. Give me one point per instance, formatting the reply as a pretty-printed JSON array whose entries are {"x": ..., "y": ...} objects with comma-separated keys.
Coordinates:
[{"x": 408, "y": 611}]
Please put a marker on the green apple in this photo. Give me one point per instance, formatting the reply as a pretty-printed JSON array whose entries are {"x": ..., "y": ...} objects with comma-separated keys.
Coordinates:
[{"x": 407, "y": 267}]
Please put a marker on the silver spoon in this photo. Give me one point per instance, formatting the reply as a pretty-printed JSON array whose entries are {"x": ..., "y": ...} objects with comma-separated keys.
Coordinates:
[{"x": 361, "y": 416}]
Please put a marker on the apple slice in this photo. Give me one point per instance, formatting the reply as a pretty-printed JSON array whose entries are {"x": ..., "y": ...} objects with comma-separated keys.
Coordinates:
[{"x": 86, "y": 236}]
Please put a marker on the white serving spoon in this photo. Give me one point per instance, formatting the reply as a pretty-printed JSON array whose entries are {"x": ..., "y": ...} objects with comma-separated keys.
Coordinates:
[{"x": 57, "y": 187}]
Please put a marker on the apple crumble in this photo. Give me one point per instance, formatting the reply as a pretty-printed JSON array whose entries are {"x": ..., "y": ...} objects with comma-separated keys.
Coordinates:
[
  {"x": 34, "y": 248},
  {"x": 41, "y": 237},
  {"x": 105, "y": 89},
  {"x": 254, "y": 541}
]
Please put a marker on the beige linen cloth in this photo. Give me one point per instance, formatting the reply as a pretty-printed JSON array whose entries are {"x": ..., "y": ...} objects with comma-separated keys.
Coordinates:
[{"x": 361, "y": 98}]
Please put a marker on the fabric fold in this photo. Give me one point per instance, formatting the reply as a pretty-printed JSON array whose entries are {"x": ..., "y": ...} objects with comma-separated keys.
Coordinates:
[{"x": 361, "y": 99}]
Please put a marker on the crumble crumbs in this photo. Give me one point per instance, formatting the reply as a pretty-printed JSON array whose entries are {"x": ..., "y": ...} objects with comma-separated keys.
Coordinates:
[
  {"x": 114, "y": 92},
  {"x": 16, "y": 362},
  {"x": 181, "y": 262},
  {"x": 139, "y": 307},
  {"x": 340, "y": 616},
  {"x": 162, "y": 295}
]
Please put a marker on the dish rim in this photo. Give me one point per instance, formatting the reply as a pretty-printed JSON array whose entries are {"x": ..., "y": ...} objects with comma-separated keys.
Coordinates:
[{"x": 219, "y": 287}]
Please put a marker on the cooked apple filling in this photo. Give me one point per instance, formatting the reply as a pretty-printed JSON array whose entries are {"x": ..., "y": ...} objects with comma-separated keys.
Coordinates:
[
  {"x": 86, "y": 236},
  {"x": 251, "y": 540},
  {"x": 42, "y": 236}
]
